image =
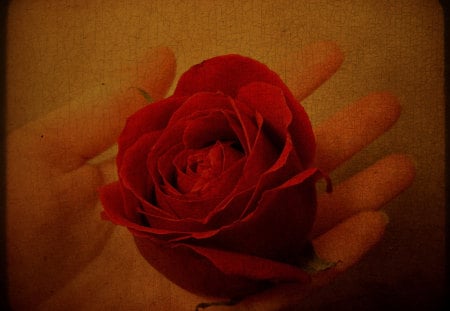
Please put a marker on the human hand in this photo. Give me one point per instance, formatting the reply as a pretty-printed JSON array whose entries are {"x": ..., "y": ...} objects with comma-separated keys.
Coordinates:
[{"x": 62, "y": 255}]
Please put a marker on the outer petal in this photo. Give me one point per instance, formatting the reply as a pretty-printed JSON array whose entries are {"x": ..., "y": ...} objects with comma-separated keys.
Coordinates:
[
  {"x": 270, "y": 102},
  {"x": 281, "y": 221},
  {"x": 227, "y": 74},
  {"x": 202, "y": 101},
  {"x": 216, "y": 273},
  {"x": 133, "y": 171},
  {"x": 111, "y": 198},
  {"x": 115, "y": 211},
  {"x": 302, "y": 132},
  {"x": 262, "y": 156}
]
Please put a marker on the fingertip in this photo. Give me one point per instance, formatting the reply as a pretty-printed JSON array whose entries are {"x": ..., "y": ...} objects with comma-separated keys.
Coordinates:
[
  {"x": 347, "y": 242},
  {"x": 405, "y": 167},
  {"x": 308, "y": 68},
  {"x": 156, "y": 71},
  {"x": 160, "y": 54},
  {"x": 379, "y": 221},
  {"x": 326, "y": 52},
  {"x": 393, "y": 104},
  {"x": 386, "y": 103}
]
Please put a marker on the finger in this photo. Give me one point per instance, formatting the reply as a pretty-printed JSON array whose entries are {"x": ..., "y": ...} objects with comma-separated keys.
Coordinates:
[
  {"x": 78, "y": 187},
  {"x": 353, "y": 128},
  {"x": 346, "y": 243},
  {"x": 367, "y": 190},
  {"x": 306, "y": 70},
  {"x": 71, "y": 135}
]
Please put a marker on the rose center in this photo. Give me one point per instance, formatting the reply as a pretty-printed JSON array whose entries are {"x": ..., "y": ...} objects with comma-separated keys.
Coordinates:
[{"x": 204, "y": 167}]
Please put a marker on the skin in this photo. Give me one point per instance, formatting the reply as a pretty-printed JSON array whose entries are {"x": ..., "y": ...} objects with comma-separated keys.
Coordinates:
[{"x": 61, "y": 255}]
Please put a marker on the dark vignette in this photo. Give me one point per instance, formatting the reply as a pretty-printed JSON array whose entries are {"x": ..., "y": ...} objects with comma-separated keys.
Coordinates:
[
  {"x": 3, "y": 274},
  {"x": 446, "y": 10}
]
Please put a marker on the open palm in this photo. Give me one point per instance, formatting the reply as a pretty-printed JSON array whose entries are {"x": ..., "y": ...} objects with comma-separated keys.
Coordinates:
[{"x": 61, "y": 255}]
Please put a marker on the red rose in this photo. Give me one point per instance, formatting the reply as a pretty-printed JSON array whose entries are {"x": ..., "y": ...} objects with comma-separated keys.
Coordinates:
[{"x": 216, "y": 182}]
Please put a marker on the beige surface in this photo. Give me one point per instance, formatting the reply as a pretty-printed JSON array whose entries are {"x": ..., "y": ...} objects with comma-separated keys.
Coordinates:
[{"x": 61, "y": 51}]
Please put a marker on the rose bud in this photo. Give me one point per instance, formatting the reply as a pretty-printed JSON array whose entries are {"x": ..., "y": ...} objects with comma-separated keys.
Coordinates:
[{"x": 216, "y": 182}]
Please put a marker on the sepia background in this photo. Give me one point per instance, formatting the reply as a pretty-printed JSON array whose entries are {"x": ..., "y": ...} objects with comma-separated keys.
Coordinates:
[{"x": 63, "y": 51}]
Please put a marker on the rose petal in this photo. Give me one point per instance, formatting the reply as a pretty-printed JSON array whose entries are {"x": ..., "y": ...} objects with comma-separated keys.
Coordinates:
[
  {"x": 186, "y": 207},
  {"x": 185, "y": 174},
  {"x": 225, "y": 174},
  {"x": 182, "y": 227},
  {"x": 201, "y": 102},
  {"x": 113, "y": 202},
  {"x": 225, "y": 74},
  {"x": 205, "y": 131},
  {"x": 230, "y": 155},
  {"x": 166, "y": 168},
  {"x": 283, "y": 218},
  {"x": 240, "y": 118},
  {"x": 203, "y": 228},
  {"x": 229, "y": 211},
  {"x": 151, "y": 118},
  {"x": 170, "y": 137},
  {"x": 243, "y": 143},
  {"x": 135, "y": 177},
  {"x": 262, "y": 156},
  {"x": 133, "y": 171},
  {"x": 251, "y": 267},
  {"x": 111, "y": 198},
  {"x": 284, "y": 168},
  {"x": 270, "y": 102},
  {"x": 247, "y": 120},
  {"x": 216, "y": 273},
  {"x": 190, "y": 206},
  {"x": 301, "y": 132}
]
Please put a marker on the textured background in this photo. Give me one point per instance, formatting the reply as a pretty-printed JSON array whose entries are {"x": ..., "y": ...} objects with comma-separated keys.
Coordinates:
[{"x": 61, "y": 51}]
